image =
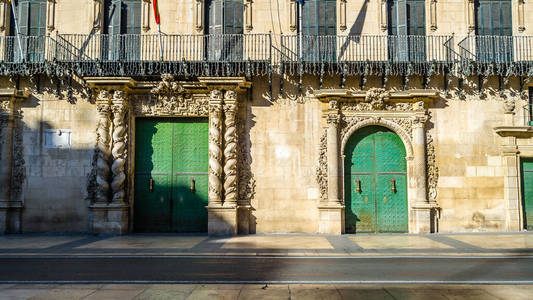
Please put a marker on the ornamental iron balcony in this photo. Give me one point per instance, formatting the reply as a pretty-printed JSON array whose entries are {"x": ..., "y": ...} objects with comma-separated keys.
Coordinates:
[
  {"x": 262, "y": 54},
  {"x": 197, "y": 55},
  {"x": 366, "y": 54}
]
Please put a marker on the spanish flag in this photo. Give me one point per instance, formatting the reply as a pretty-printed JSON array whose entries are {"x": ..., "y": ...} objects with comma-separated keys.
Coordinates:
[{"x": 156, "y": 12}]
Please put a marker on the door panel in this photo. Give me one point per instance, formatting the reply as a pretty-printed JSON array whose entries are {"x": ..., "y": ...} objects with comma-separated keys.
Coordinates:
[
  {"x": 171, "y": 152},
  {"x": 527, "y": 192},
  {"x": 153, "y": 160},
  {"x": 376, "y": 157},
  {"x": 190, "y": 166}
]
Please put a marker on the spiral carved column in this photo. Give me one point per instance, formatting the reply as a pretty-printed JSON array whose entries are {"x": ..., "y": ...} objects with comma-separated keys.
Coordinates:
[
  {"x": 102, "y": 148},
  {"x": 215, "y": 148},
  {"x": 119, "y": 150},
  {"x": 230, "y": 149}
]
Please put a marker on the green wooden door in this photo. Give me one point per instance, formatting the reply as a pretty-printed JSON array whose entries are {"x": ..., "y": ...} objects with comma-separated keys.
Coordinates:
[
  {"x": 527, "y": 192},
  {"x": 375, "y": 182},
  {"x": 171, "y": 175}
]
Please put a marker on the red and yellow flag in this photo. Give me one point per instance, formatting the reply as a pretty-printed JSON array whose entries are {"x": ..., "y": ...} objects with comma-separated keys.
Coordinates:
[{"x": 156, "y": 12}]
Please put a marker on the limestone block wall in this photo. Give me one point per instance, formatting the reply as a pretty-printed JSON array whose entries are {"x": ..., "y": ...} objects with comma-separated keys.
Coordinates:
[
  {"x": 284, "y": 149},
  {"x": 55, "y": 188}
]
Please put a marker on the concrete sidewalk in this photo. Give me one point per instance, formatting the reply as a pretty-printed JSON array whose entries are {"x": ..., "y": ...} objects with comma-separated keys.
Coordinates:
[
  {"x": 279, "y": 245},
  {"x": 237, "y": 291}
]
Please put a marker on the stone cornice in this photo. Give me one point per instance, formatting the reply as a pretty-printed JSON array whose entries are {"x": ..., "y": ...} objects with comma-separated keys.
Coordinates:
[
  {"x": 8, "y": 94},
  {"x": 426, "y": 95},
  {"x": 515, "y": 131}
]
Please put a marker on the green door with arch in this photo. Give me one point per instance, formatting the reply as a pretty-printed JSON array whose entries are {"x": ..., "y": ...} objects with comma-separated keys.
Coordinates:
[
  {"x": 375, "y": 181},
  {"x": 171, "y": 162}
]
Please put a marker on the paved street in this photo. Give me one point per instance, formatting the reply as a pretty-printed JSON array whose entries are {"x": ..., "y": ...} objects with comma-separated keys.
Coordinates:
[
  {"x": 221, "y": 269},
  {"x": 459, "y": 266}
]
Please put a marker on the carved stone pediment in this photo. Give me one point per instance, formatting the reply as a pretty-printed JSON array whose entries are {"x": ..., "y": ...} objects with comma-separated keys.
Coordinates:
[{"x": 170, "y": 98}]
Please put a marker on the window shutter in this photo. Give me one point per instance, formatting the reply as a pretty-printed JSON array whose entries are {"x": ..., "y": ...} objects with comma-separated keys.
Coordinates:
[
  {"x": 401, "y": 17},
  {"x": 216, "y": 17},
  {"x": 506, "y": 21},
  {"x": 132, "y": 16},
  {"x": 24, "y": 17},
  {"x": 37, "y": 18},
  {"x": 233, "y": 16},
  {"x": 115, "y": 17},
  {"x": 331, "y": 17},
  {"x": 416, "y": 19}
]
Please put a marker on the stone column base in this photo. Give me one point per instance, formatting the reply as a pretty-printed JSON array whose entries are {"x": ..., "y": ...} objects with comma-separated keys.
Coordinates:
[
  {"x": 109, "y": 218},
  {"x": 243, "y": 219},
  {"x": 424, "y": 218},
  {"x": 331, "y": 219},
  {"x": 221, "y": 220},
  {"x": 10, "y": 217}
]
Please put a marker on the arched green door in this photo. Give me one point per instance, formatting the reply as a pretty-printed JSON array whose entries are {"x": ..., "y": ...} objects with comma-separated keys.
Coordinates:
[{"x": 375, "y": 181}]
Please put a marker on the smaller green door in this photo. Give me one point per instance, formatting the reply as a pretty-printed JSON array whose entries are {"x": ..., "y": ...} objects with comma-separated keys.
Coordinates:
[
  {"x": 375, "y": 182},
  {"x": 527, "y": 192}
]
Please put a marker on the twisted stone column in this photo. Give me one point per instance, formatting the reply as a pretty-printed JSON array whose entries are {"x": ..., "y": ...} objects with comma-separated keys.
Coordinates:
[
  {"x": 230, "y": 149},
  {"x": 215, "y": 152},
  {"x": 102, "y": 148},
  {"x": 119, "y": 151}
]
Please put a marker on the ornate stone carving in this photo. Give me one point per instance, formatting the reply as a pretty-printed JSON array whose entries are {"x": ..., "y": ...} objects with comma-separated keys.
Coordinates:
[
  {"x": 509, "y": 106},
  {"x": 432, "y": 169},
  {"x": 387, "y": 106},
  {"x": 4, "y": 106},
  {"x": 18, "y": 174},
  {"x": 376, "y": 97},
  {"x": 230, "y": 149},
  {"x": 215, "y": 145},
  {"x": 246, "y": 180},
  {"x": 321, "y": 172},
  {"x": 119, "y": 151},
  {"x": 102, "y": 148},
  {"x": 170, "y": 98},
  {"x": 333, "y": 119}
]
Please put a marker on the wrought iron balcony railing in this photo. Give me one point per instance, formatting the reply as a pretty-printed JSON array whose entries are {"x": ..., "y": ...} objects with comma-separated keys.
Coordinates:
[
  {"x": 228, "y": 54},
  {"x": 367, "y": 53},
  {"x": 503, "y": 55},
  {"x": 260, "y": 54}
]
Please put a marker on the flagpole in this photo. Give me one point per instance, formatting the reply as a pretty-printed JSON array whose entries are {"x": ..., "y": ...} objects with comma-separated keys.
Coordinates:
[
  {"x": 17, "y": 30},
  {"x": 160, "y": 41},
  {"x": 300, "y": 27}
]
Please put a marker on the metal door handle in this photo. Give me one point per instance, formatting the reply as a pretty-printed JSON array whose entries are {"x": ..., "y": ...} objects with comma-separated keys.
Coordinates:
[
  {"x": 193, "y": 185},
  {"x": 151, "y": 184},
  {"x": 358, "y": 186},
  {"x": 393, "y": 185}
]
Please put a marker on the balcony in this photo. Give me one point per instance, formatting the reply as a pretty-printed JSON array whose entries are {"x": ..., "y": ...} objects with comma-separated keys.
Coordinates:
[
  {"x": 263, "y": 54},
  {"x": 366, "y": 54},
  {"x": 188, "y": 55},
  {"x": 501, "y": 55}
]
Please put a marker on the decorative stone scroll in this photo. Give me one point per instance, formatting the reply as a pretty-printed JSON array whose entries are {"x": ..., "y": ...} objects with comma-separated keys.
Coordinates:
[
  {"x": 432, "y": 169},
  {"x": 433, "y": 15},
  {"x": 321, "y": 173}
]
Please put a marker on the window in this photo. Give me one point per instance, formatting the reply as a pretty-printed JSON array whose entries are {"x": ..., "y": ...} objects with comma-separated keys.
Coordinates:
[
  {"x": 494, "y": 31},
  {"x": 122, "y": 24},
  {"x": 224, "y": 29},
  {"x": 319, "y": 30},
  {"x": 31, "y": 21},
  {"x": 407, "y": 30}
]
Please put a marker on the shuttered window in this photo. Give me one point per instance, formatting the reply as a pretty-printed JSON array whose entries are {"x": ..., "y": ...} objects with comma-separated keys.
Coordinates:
[
  {"x": 225, "y": 17},
  {"x": 31, "y": 17},
  {"x": 122, "y": 16},
  {"x": 493, "y": 17},
  {"x": 319, "y": 17},
  {"x": 407, "y": 17},
  {"x": 407, "y": 27}
]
